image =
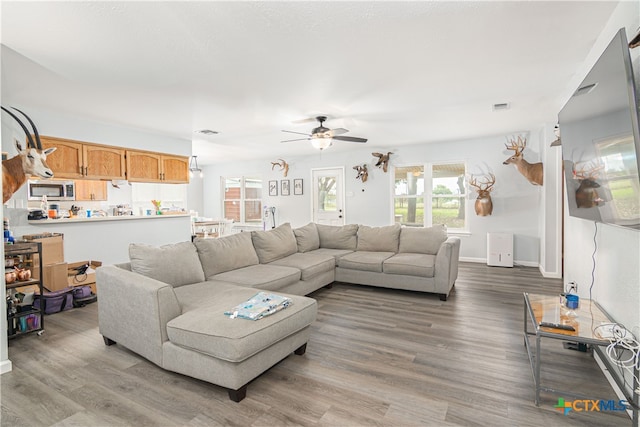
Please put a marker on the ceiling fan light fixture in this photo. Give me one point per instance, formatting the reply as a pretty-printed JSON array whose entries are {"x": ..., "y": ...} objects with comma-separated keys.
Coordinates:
[{"x": 321, "y": 143}]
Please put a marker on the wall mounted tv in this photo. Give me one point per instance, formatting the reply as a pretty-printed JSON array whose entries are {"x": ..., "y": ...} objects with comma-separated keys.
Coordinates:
[{"x": 601, "y": 141}]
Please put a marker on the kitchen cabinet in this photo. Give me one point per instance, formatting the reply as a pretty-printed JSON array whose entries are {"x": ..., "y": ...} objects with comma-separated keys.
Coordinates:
[
  {"x": 81, "y": 160},
  {"x": 22, "y": 318},
  {"x": 146, "y": 166},
  {"x": 91, "y": 190}
]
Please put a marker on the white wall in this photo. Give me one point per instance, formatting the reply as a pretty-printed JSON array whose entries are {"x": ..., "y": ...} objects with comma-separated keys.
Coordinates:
[
  {"x": 616, "y": 284},
  {"x": 517, "y": 203}
]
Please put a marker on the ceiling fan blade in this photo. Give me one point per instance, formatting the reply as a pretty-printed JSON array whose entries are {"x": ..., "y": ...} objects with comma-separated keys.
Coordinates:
[
  {"x": 299, "y": 133},
  {"x": 349, "y": 139},
  {"x": 301, "y": 139},
  {"x": 338, "y": 131},
  {"x": 310, "y": 119}
]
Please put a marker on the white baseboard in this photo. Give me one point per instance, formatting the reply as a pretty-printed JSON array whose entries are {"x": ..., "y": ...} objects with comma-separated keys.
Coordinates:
[
  {"x": 550, "y": 274},
  {"x": 515, "y": 263},
  {"x": 5, "y": 366}
]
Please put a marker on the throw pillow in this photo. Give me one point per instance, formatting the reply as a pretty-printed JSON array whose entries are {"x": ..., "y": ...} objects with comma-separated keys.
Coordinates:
[
  {"x": 177, "y": 264},
  {"x": 274, "y": 244},
  {"x": 226, "y": 253},
  {"x": 422, "y": 240},
  {"x": 338, "y": 237},
  {"x": 378, "y": 239},
  {"x": 307, "y": 237}
]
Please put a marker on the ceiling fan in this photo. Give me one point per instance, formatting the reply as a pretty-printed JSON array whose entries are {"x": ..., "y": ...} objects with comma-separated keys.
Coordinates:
[{"x": 323, "y": 137}]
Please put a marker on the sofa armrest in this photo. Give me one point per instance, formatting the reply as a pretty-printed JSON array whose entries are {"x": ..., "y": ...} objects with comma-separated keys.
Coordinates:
[
  {"x": 446, "y": 271},
  {"x": 133, "y": 310}
]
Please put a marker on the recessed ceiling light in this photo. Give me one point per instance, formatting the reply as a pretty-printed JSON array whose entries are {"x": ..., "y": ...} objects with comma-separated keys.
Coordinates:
[
  {"x": 501, "y": 106},
  {"x": 207, "y": 132}
]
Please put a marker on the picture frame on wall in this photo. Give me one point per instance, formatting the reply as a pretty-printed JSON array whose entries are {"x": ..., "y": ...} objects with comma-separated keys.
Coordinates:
[
  {"x": 273, "y": 188},
  {"x": 297, "y": 187},
  {"x": 285, "y": 189}
]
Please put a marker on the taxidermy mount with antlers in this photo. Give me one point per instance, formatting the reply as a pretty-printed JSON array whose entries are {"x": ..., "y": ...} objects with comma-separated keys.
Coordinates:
[
  {"x": 284, "y": 166},
  {"x": 363, "y": 173},
  {"x": 28, "y": 162},
  {"x": 532, "y": 171},
  {"x": 383, "y": 160},
  {"x": 483, "y": 205},
  {"x": 587, "y": 194}
]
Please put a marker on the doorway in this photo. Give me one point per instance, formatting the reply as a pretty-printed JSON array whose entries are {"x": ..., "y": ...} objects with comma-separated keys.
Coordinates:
[{"x": 328, "y": 196}]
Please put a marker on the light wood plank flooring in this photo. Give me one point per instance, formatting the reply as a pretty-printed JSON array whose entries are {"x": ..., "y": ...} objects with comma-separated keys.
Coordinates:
[{"x": 376, "y": 357}]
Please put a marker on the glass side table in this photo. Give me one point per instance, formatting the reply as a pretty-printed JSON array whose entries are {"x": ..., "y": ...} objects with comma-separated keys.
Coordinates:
[{"x": 585, "y": 319}]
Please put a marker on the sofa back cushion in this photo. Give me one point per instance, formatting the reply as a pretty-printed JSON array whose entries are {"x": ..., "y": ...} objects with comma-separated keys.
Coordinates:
[
  {"x": 176, "y": 264},
  {"x": 307, "y": 237},
  {"x": 274, "y": 244},
  {"x": 378, "y": 239},
  {"x": 338, "y": 237},
  {"x": 226, "y": 253},
  {"x": 422, "y": 240}
]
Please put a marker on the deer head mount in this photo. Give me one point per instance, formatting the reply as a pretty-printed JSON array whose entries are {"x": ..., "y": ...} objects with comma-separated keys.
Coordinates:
[
  {"x": 532, "y": 171},
  {"x": 383, "y": 160},
  {"x": 284, "y": 166},
  {"x": 483, "y": 205},
  {"x": 29, "y": 161},
  {"x": 363, "y": 173},
  {"x": 587, "y": 193}
]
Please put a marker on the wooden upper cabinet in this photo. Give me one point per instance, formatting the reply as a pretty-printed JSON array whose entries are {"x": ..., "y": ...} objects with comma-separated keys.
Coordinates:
[
  {"x": 102, "y": 162},
  {"x": 87, "y": 189},
  {"x": 79, "y": 160},
  {"x": 145, "y": 166},
  {"x": 175, "y": 169},
  {"x": 66, "y": 161}
]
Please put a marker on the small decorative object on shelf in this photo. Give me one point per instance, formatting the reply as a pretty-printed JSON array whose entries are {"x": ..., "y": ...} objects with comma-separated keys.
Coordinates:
[{"x": 156, "y": 204}]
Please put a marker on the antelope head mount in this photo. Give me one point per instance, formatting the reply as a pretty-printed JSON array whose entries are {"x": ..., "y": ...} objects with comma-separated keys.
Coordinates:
[
  {"x": 363, "y": 173},
  {"x": 29, "y": 161},
  {"x": 284, "y": 166},
  {"x": 483, "y": 205},
  {"x": 532, "y": 171},
  {"x": 587, "y": 193}
]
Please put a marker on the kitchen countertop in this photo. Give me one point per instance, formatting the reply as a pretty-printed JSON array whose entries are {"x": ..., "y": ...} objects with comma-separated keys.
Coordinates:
[{"x": 103, "y": 218}]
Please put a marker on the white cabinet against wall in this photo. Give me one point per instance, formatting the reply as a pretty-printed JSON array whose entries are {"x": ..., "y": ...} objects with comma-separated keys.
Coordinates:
[{"x": 500, "y": 249}]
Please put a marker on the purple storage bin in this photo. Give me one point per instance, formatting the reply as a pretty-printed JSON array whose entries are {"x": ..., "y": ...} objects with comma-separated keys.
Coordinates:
[{"x": 54, "y": 302}]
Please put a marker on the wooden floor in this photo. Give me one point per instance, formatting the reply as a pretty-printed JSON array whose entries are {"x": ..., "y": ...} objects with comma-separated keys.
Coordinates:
[{"x": 376, "y": 357}]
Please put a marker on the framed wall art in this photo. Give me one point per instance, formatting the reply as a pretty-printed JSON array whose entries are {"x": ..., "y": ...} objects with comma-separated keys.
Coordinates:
[
  {"x": 285, "y": 190},
  {"x": 297, "y": 187},
  {"x": 273, "y": 188}
]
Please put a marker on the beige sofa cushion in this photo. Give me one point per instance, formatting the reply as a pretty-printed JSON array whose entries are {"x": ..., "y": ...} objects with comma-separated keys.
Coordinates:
[
  {"x": 264, "y": 276},
  {"x": 411, "y": 264},
  {"x": 226, "y": 253},
  {"x": 364, "y": 261},
  {"x": 378, "y": 239},
  {"x": 176, "y": 264},
  {"x": 307, "y": 237},
  {"x": 274, "y": 244},
  {"x": 309, "y": 264},
  {"x": 422, "y": 240},
  {"x": 207, "y": 330},
  {"x": 338, "y": 237}
]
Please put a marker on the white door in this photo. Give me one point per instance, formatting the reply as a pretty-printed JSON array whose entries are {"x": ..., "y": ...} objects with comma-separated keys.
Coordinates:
[{"x": 328, "y": 196}]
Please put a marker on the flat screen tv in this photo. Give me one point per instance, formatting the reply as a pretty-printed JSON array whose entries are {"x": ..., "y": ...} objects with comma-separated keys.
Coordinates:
[{"x": 601, "y": 141}]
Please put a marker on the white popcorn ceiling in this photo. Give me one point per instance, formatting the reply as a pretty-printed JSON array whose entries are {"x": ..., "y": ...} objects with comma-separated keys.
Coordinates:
[{"x": 396, "y": 73}]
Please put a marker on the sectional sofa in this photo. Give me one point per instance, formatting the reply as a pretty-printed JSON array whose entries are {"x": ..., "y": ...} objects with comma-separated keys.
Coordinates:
[{"x": 167, "y": 304}]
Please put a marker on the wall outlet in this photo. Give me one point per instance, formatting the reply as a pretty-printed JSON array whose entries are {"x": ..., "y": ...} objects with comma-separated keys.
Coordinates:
[{"x": 572, "y": 287}]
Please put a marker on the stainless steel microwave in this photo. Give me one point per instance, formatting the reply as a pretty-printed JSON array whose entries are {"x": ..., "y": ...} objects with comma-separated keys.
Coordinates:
[{"x": 53, "y": 189}]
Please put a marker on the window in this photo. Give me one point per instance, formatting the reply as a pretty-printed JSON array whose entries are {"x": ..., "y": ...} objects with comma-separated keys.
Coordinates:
[
  {"x": 448, "y": 205},
  {"x": 443, "y": 202},
  {"x": 409, "y": 196},
  {"x": 242, "y": 199}
]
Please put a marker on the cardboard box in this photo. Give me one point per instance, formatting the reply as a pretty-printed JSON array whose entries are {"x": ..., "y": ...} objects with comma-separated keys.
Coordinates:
[
  {"x": 52, "y": 247},
  {"x": 54, "y": 276},
  {"x": 89, "y": 278}
]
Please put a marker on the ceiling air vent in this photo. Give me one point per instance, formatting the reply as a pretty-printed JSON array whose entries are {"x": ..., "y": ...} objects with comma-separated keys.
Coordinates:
[
  {"x": 207, "y": 132},
  {"x": 501, "y": 106},
  {"x": 585, "y": 89}
]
